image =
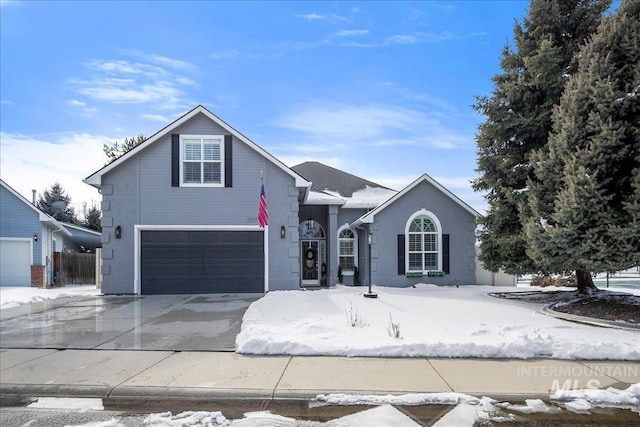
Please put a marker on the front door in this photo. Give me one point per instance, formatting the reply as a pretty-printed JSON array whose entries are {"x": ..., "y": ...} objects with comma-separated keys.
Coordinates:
[{"x": 309, "y": 260}]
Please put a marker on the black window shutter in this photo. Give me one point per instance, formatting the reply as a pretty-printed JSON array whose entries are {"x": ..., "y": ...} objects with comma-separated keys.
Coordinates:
[
  {"x": 401, "y": 255},
  {"x": 445, "y": 253},
  {"x": 228, "y": 161},
  {"x": 175, "y": 160}
]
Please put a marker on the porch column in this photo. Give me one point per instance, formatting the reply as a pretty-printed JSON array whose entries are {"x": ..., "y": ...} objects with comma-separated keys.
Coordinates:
[{"x": 332, "y": 245}]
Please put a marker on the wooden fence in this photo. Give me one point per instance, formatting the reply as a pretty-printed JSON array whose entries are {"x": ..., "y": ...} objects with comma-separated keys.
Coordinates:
[{"x": 77, "y": 268}]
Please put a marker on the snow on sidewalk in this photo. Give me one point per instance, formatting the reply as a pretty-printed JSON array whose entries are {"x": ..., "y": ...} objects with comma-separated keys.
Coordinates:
[{"x": 422, "y": 321}]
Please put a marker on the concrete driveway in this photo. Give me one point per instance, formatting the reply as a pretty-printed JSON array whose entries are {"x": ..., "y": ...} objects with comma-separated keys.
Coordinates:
[{"x": 154, "y": 322}]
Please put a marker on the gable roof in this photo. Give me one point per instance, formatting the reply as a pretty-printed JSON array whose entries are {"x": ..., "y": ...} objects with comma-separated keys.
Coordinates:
[
  {"x": 95, "y": 179},
  {"x": 325, "y": 178},
  {"x": 368, "y": 218},
  {"x": 42, "y": 217}
]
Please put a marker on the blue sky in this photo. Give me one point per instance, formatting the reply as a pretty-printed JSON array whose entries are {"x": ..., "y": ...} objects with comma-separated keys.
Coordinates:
[{"x": 382, "y": 90}]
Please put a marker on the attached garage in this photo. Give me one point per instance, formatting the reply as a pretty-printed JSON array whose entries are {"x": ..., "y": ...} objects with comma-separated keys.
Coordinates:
[
  {"x": 15, "y": 262},
  {"x": 201, "y": 261}
]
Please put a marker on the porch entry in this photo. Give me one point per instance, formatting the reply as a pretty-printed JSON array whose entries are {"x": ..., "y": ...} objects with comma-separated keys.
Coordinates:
[{"x": 313, "y": 260}]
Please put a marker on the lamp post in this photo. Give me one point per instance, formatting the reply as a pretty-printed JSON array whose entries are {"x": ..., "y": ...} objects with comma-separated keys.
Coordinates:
[{"x": 369, "y": 294}]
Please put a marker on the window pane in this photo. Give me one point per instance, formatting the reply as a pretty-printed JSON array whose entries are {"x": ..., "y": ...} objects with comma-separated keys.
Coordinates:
[
  {"x": 429, "y": 225},
  {"x": 346, "y": 247},
  {"x": 346, "y": 234},
  {"x": 430, "y": 242},
  {"x": 430, "y": 261},
  {"x": 346, "y": 262},
  {"x": 192, "y": 150},
  {"x": 416, "y": 226},
  {"x": 415, "y": 261},
  {"x": 415, "y": 242},
  {"x": 212, "y": 173},
  {"x": 191, "y": 173},
  {"x": 211, "y": 149}
]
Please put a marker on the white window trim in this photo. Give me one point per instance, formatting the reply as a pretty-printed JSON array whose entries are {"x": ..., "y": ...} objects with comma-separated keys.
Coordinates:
[
  {"x": 182, "y": 161},
  {"x": 434, "y": 218},
  {"x": 355, "y": 249}
]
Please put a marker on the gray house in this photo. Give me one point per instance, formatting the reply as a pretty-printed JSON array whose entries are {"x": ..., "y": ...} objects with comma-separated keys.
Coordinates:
[
  {"x": 180, "y": 215},
  {"x": 28, "y": 240}
]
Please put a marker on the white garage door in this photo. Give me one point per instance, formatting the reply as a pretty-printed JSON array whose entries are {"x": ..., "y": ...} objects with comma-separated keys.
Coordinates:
[{"x": 15, "y": 263}]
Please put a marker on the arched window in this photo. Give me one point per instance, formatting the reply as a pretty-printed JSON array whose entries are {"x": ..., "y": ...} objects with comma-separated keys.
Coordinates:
[
  {"x": 423, "y": 242},
  {"x": 347, "y": 249},
  {"x": 311, "y": 229}
]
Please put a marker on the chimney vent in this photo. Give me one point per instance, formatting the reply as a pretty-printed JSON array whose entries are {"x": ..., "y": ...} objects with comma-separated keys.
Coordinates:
[{"x": 33, "y": 198}]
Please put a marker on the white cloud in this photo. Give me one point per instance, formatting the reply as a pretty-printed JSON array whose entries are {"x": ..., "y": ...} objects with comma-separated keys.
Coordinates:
[
  {"x": 156, "y": 117},
  {"x": 76, "y": 103},
  {"x": 405, "y": 39},
  {"x": 349, "y": 33},
  {"x": 172, "y": 63},
  {"x": 120, "y": 81},
  {"x": 29, "y": 162},
  {"x": 225, "y": 54},
  {"x": 373, "y": 126},
  {"x": 318, "y": 17},
  {"x": 310, "y": 16},
  {"x": 402, "y": 39}
]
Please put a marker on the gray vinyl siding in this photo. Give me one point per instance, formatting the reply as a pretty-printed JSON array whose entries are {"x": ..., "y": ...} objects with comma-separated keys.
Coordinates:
[
  {"x": 455, "y": 221},
  {"x": 139, "y": 192},
  {"x": 20, "y": 221}
]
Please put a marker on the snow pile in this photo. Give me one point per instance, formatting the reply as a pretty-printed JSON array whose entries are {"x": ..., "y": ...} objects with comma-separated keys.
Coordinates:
[
  {"x": 432, "y": 321},
  {"x": 531, "y": 406},
  {"x": 582, "y": 401},
  {"x": 189, "y": 418},
  {"x": 13, "y": 296},
  {"x": 385, "y": 415},
  {"x": 409, "y": 399},
  {"x": 67, "y": 403}
]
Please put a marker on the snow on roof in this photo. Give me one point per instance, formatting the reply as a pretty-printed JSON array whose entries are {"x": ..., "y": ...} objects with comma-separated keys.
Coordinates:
[{"x": 369, "y": 198}]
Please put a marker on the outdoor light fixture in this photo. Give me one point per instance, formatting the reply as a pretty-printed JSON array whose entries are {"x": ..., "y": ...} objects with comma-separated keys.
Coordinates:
[
  {"x": 369, "y": 294},
  {"x": 283, "y": 232},
  {"x": 35, "y": 237},
  {"x": 118, "y": 232}
]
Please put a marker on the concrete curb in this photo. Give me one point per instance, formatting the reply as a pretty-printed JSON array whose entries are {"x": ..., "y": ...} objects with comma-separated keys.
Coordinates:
[{"x": 548, "y": 310}]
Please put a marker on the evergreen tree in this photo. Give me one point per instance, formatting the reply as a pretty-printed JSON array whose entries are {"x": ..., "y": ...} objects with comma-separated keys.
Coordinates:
[
  {"x": 92, "y": 218},
  {"x": 518, "y": 120},
  {"x": 584, "y": 200},
  {"x": 55, "y": 202},
  {"x": 113, "y": 152}
]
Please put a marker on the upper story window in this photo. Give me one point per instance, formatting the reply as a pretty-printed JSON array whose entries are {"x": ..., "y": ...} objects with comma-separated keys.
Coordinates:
[
  {"x": 347, "y": 249},
  {"x": 202, "y": 160},
  {"x": 423, "y": 242}
]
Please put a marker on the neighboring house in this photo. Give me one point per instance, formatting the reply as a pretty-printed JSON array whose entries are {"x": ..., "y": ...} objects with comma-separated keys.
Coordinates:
[
  {"x": 180, "y": 215},
  {"x": 81, "y": 239},
  {"x": 28, "y": 240}
]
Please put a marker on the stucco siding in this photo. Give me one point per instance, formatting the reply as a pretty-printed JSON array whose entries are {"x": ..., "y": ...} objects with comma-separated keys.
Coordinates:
[{"x": 455, "y": 221}]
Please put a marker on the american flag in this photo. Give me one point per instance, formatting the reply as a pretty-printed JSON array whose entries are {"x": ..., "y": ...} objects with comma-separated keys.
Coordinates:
[{"x": 263, "y": 215}]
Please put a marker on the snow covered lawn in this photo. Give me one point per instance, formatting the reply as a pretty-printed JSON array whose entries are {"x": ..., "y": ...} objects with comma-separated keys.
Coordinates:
[
  {"x": 425, "y": 321},
  {"x": 13, "y": 296}
]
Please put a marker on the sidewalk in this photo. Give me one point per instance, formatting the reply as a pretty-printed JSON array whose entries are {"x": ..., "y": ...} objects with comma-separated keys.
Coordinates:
[{"x": 213, "y": 376}]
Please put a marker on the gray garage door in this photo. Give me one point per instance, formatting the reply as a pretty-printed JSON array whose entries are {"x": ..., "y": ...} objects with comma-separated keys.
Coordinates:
[{"x": 190, "y": 262}]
